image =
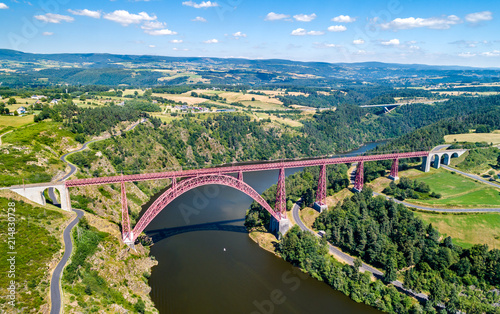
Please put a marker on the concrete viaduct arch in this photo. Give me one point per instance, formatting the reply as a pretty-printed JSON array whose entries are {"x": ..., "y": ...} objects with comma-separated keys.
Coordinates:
[
  {"x": 34, "y": 192},
  {"x": 439, "y": 157}
]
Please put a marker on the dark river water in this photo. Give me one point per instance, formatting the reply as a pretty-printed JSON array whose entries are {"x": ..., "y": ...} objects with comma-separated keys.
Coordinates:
[{"x": 224, "y": 271}]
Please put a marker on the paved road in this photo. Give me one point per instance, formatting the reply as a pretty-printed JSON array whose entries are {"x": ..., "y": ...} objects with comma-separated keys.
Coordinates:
[
  {"x": 3, "y": 135},
  {"x": 440, "y": 147},
  {"x": 53, "y": 197},
  {"x": 335, "y": 251},
  {"x": 72, "y": 167},
  {"x": 427, "y": 102},
  {"x": 472, "y": 176},
  {"x": 55, "y": 282},
  {"x": 442, "y": 210}
]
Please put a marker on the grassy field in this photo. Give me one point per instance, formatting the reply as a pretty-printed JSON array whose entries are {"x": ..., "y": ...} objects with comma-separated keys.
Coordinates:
[
  {"x": 458, "y": 191},
  {"x": 259, "y": 104},
  {"x": 281, "y": 93},
  {"x": 14, "y": 121},
  {"x": 467, "y": 229},
  {"x": 46, "y": 133},
  {"x": 474, "y": 137},
  {"x": 284, "y": 121},
  {"x": 186, "y": 97},
  {"x": 37, "y": 244},
  {"x": 34, "y": 153},
  {"x": 132, "y": 92},
  {"x": 308, "y": 216}
]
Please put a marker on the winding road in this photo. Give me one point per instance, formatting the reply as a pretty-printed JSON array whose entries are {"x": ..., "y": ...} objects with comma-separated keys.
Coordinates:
[
  {"x": 442, "y": 210},
  {"x": 72, "y": 167},
  {"x": 55, "y": 282},
  {"x": 337, "y": 253},
  {"x": 3, "y": 135},
  {"x": 472, "y": 176}
]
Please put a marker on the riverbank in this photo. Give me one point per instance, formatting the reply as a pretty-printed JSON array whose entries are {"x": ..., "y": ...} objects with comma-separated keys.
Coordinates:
[{"x": 265, "y": 240}]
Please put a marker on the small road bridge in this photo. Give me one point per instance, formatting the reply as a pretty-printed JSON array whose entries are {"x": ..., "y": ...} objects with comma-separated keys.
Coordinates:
[
  {"x": 389, "y": 107},
  {"x": 232, "y": 176}
]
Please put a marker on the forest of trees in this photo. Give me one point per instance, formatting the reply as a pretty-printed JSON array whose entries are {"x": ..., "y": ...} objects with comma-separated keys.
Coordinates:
[
  {"x": 306, "y": 251},
  {"x": 388, "y": 235},
  {"x": 407, "y": 188},
  {"x": 92, "y": 121}
]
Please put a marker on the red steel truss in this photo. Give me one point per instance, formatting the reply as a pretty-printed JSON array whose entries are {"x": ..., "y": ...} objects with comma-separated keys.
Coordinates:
[
  {"x": 281, "y": 195},
  {"x": 321, "y": 191},
  {"x": 242, "y": 168},
  {"x": 125, "y": 220},
  {"x": 199, "y": 177},
  {"x": 191, "y": 183},
  {"x": 358, "y": 184},
  {"x": 394, "y": 169}
]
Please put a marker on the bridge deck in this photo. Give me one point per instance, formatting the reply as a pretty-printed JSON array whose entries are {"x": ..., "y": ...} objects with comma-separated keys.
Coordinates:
[{"x": 242, "y": 168}]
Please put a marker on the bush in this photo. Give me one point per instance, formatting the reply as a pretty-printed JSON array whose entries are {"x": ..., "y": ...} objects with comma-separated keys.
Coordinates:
[{"x": 140, "y": 307}]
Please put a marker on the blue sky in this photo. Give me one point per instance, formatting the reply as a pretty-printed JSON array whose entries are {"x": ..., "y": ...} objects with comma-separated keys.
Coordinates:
[{"x": 404, "y": 31}]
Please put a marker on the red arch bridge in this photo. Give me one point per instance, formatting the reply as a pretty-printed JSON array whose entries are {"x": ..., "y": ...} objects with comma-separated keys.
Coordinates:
[{"x": 185, "y": 180}]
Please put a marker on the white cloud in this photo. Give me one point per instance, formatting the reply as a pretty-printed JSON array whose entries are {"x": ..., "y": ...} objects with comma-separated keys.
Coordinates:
[
  {"x": 363, "y": 53},
  {"x": 211, "y": 41},
  {"x": 47, "y": 33},
  {"x": 304, "y": 17},
  {"x": 494, "y": 53},
  {"x": 466, "y": 54},
  {"x": 85, "y": 12},
  {"x": 201, "y": 5},
  {"x": 149, "y": 25},
  {"x": 444, "y": 22},
  {"x": 199, "y": 19},
  {"x": 315, "y": 33},
  {"x": 160, "y": 32},
  {"x": 299, "y": 32},
  {"x": 324, "y": 45},
  {"x": 239, "y": 35},
  {"x": 125, "y": 18},
  {"x": 180, "y": 49},
  {"x": 303, "y": 32},
  {"x": 479, "y": 17},
  {"x": 344, "y": 19},
  {"x": 271, "y": 16},
  {"x": 470, "y": 43},
  {"x": 152, "y": 46},
  {"x": 392, "y": 42},
  {"x": 337, "y": 28},
  {"x": 358, "y": 41},
  {"x": 176, "y": 41},
  {"x": 3, "y": 6},
  {"x": 54, "y": 18}
]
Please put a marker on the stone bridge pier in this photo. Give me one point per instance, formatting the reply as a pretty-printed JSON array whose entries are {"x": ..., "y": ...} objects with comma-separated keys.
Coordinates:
[
  {"x": 34, "y": 193},
  {"x": 438, "y": 157}
]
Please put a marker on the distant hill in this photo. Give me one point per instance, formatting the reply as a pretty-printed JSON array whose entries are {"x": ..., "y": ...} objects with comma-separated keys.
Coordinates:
[{"x": 113, "y": 69}]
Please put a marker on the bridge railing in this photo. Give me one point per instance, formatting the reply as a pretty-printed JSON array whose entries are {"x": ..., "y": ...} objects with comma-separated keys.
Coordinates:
[{"x": 242, "y": 168}]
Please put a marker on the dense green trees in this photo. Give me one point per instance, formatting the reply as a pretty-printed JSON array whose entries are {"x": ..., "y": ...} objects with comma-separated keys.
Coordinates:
[
  {"x": 390, "y": 236},
  {"x": 407, "y": 188},
  {"x": 306, "y": 251}
]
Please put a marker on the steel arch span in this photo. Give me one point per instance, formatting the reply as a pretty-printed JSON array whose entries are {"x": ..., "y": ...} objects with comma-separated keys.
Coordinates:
[{"x": 182, "y": 187}]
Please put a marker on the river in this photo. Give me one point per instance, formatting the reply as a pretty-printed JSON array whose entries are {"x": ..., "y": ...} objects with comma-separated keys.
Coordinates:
[{"x": 213, "y": 271}]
